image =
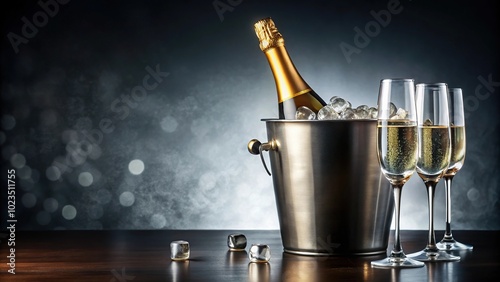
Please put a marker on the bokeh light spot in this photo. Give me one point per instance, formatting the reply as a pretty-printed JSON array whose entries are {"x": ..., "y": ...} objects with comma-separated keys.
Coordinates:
[
  {"x": 85, "y": 179},
  {"x": 473, "y": 194},
  {"x": 24, "y": 172},
  {"x": 127, "y": 199},
  {"x": 136, "y": 167},
  {"x": 158, "y": 221},
  {"x": 17, "y": 160},
  {"x": 8, "y": 122},
  {"x": 28, "y": 200},
  {"x": 53, "y": 173},
  {"x": 103, "y": 196},
  {"x": 69, "y": 212},
  {"x": 50, "y": 204},
  {"x": 169, "y": 124}
]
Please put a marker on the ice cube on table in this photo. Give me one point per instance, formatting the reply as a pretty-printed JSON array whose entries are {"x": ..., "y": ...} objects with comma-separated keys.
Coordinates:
[
  {"x": 236, "y": 242},
  {"x": 328, "y": 113},
  {"x": 339, "y": 104},
  {"x": 259, "y": 253},
  {"x": 179, "y": 250},
  {"x": 304, "y": 113}
]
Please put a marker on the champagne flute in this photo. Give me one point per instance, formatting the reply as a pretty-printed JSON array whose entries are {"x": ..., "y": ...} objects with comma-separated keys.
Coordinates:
[
  {"x": 397, "y": 152},
  {"x": 434, "y": 149},
  {"x": 457, "y": 131}
]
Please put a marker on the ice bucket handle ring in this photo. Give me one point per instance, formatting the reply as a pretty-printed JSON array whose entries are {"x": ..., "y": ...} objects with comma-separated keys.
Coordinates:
[{"x": 255, "y": 147}]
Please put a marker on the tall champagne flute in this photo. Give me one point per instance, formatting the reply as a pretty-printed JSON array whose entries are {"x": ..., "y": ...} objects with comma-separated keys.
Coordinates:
[
  {"x": 457, "y": 131},
  {"x": 397, "y": 152},
  {"x": 434, "y": 149}
]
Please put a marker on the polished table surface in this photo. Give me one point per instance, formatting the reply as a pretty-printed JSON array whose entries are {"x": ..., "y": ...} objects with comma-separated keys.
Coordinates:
[{"x": 145, "y": 256}]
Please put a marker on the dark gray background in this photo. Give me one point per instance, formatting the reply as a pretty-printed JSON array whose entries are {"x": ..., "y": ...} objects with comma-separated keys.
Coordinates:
[{"x": 191, "y": 129}]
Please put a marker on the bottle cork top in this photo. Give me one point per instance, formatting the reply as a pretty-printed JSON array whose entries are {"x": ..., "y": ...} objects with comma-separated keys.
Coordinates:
[{"x": 268, "y": 34}]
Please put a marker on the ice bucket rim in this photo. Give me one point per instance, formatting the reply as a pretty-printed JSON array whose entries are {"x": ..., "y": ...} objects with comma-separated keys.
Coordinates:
[{"x": 318, "y": 121}]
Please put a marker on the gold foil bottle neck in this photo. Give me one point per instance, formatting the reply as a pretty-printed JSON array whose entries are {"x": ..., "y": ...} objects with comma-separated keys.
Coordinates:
[{"x": 268, "y": 34}]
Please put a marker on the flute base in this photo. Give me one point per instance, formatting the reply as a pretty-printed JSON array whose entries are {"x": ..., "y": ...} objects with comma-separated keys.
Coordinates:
[
  {"x": 396, "y": 262},
  {"x": 433, "y": 256},
  {"x": 453, "y": 245}
]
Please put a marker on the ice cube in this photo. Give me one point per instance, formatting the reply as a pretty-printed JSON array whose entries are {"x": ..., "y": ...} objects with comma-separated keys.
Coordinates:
[
  {"x": 373, "y": 112},
  {"x": 339, "y": 104},
  {"x": 428, "y": 122},
  {"x": 361, "y": 113},
  {"x": 333, "y": 98},
  {"x": 401, "y": 113},
  {"x": 259, "y": 253},
  {"x": 304, "y": 113},
  {"x": 179, "y": 250},
  {"x": 393, "y": 110},
  {"x": 236, "y": 242},
  {"x": 327, "y": 112},
  {"x": 349, "y": 114},
  {"x": 362, "y": 107}
]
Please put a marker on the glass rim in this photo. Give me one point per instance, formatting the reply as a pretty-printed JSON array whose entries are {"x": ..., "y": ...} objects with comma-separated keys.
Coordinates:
[
  {"x": 455, "y": 88},
  {"x": 437, "y": 84},
  {"x": 397, "y": 79}
]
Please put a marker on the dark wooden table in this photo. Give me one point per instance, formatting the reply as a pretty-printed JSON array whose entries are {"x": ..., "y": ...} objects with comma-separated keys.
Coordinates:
[{"x": 145, "y": 256}]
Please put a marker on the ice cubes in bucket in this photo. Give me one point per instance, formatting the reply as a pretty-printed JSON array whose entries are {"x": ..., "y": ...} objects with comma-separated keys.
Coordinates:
[
  {"x": 338, "y": 109},
  {"x": 338, "y": 104},
  {"x": 304, "y": 113},
  {"x": 327, "y": 112},
  {"x": 341, "y": 109}
]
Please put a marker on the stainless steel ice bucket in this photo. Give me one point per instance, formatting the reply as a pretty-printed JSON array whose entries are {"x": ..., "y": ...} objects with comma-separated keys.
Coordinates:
[{"x": 331, "y": 196}]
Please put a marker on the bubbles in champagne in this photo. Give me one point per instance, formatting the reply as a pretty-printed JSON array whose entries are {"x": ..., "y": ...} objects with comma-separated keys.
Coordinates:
[{"x": 434, "y": 151}]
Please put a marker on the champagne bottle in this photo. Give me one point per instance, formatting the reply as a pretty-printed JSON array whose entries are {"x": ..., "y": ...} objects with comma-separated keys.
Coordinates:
[{"x": 293, "y": 91}]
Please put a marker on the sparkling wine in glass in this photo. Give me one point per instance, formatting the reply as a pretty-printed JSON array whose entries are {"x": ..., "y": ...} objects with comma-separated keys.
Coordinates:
[
  {"x": 397, "y": 145},
  {"x": 434, "y": 149},
  {"x": 457, "y": 134}
]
